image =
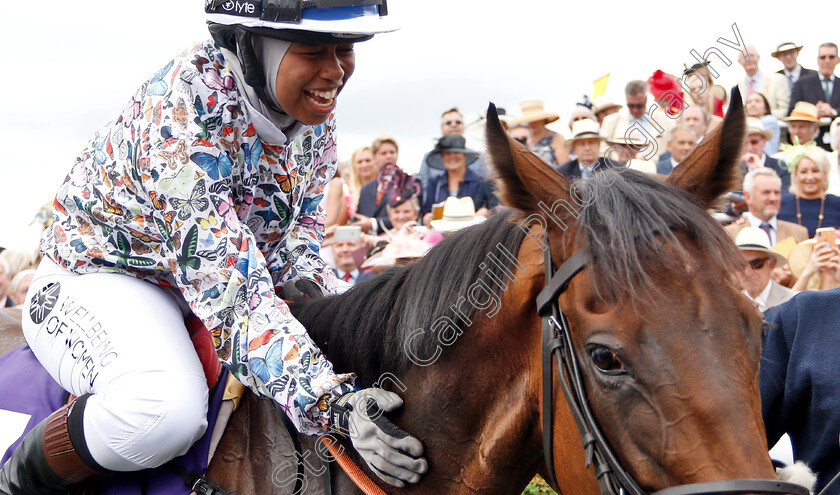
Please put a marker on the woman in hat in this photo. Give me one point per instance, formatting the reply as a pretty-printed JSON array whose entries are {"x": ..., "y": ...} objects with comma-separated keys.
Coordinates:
[
  {"x": 808, "y": 202},
  {"x": 549, "y": 145},
  {"x": 458, "y": 180},
  {"x": 201, "y": 198},
  {"x": 713, "y": 95}
]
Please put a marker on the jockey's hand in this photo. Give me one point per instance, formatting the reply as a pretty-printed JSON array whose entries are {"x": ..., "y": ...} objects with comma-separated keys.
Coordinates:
[
  {"x": 300, "y": 289},
  {"x": 390, "y": 452}
]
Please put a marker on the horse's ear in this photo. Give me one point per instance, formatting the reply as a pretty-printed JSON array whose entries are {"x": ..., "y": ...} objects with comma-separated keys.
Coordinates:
[
  {"x": 523, "y": 180},
  {"x": 712, "y": 169}
]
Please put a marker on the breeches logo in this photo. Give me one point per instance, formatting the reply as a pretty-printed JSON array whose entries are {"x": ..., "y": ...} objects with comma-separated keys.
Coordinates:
[{"x": 43, "y": 302}]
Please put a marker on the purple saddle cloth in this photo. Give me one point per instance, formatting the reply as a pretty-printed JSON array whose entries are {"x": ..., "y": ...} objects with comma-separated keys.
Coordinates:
[{"x": 26, "y": 387}]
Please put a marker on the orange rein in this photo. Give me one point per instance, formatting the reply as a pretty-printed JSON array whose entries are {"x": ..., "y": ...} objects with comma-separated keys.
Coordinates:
[{"x": 351, "y": 469}]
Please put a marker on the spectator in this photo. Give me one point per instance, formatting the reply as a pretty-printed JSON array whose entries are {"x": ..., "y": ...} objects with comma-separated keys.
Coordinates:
[
  {"x": 20, "y": 259},
  {"x": 803, "y": 123},
  {"x": 586, "y": 146},
  {"x": 603, "y": 106},
  {"x": 758, "y": 107},
  {"x": 522, "y": 133},
  {"x": 458, "y": 213},
  {"x": 654, "y": 127},
  {"x": 580, "y": 112},
  {"x": 698, "y": 119},
  {"x": 20, "y": 284},
  {"x": 757, "y": 281},
  {"x": 821, "y": 89},
  {"x": 681, "y": 142},
  {"x": 798, "y": 380},
  {"x": 712, "y": 97},
  {"x": 549, "y": 145},
  {"x": 451, "y": 123},
  {"x": 363, "y": 170},
  {"x": 787, "y": 54},
  {"x": 391, "y": 180},
  {"x": 762, "y": 193},
  {"x": 808, "y": 203},
  {"x": 5, "y": 285},
  {"x": 458, "y": 180},
  {"x": 340, "y": 207},
  {"x": 623, "y": 149},
  {"x": 773, "y": 86},
  {"x": 834, "y": 159},
  {"x": 816, "y": 264},
  {"x": 754, "y": 156},
  {"x": 345, "y": 262}
]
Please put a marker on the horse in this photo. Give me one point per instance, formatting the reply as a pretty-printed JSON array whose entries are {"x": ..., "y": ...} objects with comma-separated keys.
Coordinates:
[{"x": 667, "y": 347}]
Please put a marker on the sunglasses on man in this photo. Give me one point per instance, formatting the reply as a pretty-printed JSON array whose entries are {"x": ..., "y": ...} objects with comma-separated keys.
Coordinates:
[{"x": 758, "y": 263}]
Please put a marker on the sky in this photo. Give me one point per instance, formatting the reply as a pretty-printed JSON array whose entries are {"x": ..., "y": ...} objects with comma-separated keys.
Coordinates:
[{"x": 71, "y": 66}]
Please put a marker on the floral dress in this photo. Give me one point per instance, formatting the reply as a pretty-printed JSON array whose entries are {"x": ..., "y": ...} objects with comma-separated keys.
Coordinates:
[{"x": 180, "y": 190}]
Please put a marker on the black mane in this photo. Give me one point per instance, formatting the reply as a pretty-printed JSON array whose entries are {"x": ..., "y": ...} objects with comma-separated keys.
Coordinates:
[{"x": 365, "y": 329}]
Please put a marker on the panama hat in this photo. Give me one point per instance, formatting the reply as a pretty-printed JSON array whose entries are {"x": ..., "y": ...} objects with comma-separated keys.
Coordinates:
[
  {"x": 602, "y": 102},
  {"x": 585, "y": 129},
  {"x": 755, "y": 239},
  {"x": 619, "y": 138},
  {"x": 457, "y": 214},
  {"x": 533, "y": 111},
  {"x": 400, "y": 251},
  {"x": 804, "y": 112},
  {"x": 645, "y": 166},
  {"x": 800, "y": 254},
  {"x": 754, "y": 126},
  {"x": 785, "y": 47}
]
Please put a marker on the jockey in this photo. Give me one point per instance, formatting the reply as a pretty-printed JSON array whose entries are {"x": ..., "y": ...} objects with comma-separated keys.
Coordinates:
[{"x": 202, "y": 197}]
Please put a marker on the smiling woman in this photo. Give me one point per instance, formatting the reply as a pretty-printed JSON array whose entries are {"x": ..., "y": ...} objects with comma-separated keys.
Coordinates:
[{"x": 808, "y": 203}]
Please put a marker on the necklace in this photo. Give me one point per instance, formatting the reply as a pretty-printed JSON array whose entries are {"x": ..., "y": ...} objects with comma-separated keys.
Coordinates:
[{"x": 799, "y": 213}]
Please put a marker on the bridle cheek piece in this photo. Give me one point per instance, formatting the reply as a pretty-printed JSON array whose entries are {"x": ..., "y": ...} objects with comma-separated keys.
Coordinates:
[{"x": 557, "y": 344}]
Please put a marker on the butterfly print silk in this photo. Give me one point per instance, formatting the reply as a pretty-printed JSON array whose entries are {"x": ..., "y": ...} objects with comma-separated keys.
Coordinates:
[{"x": 180, "y": 191}]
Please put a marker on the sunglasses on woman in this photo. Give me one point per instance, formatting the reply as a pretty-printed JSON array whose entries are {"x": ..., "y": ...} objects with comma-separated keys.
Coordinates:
[{"x": 757, "y": 263}]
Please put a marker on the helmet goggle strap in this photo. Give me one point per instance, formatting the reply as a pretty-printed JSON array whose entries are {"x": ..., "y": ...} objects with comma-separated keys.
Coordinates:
[{"x": 292, "y": 10}]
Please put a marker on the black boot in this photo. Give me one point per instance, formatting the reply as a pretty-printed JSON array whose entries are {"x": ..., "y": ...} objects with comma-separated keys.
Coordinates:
[{"x": 52, "y": 457}]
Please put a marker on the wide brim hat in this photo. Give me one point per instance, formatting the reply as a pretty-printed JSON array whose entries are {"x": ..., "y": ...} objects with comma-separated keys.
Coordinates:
[
  {"x": 458, "y": 213},
  {"x": 403, "y": 246},
  {"x": 754, "y": 126},
  {"x": 533, "y": 111},
  {"x": 801, "y": 253},
  {"x": 803, "y": 112},
  {"x": 785, "y": 47},
  {"x": 602, "y": 102},
  {"x": 755, "y": 239},
  {"x": 585, "y": 129},
  {"x": 645, "y": 166},
  {"x": 452, "y": 142},
  {"x": 619, "y": 138}
]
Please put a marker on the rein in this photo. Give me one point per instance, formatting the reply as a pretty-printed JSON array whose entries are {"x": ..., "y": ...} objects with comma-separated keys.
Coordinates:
[{"x": 557, "y": 345}]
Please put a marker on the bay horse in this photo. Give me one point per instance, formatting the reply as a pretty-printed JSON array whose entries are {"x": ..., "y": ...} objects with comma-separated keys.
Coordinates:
[{"x": 668, "y": 347}]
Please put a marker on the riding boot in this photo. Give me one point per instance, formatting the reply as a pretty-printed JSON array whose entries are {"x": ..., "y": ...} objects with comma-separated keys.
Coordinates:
[{"x": 52, "y": 457}]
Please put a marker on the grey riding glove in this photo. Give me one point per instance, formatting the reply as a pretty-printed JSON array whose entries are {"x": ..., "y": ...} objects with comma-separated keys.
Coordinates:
[{"x": 390, "y": 452}]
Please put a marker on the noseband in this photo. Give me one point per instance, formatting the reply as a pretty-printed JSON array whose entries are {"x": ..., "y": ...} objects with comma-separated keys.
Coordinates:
[{"x": 557, "y": 343}]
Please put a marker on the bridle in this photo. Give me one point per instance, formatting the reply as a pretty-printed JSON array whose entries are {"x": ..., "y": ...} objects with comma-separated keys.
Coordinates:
[{"x": 557, "y": 343}]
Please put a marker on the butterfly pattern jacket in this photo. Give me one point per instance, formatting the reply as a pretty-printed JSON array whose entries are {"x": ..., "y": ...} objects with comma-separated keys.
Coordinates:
[{"x": 180, "y": 191}]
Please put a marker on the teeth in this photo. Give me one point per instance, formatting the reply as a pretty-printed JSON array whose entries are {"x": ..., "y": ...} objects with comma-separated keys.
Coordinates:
[{"x": 327, "y": 95}]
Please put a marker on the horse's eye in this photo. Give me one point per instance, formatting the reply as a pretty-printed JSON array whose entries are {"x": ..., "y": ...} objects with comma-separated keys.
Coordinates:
[{"x": 606, "y": 360}]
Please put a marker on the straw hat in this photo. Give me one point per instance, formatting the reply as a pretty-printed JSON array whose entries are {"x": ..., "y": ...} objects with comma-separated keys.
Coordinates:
[
  {"x": 457, "y": 214},
  {"x": 404, "y": 247},
  {"x": 619, "y": 138},
  {"x": 645, "y": 166},
  {"x": 602, "y": 102},
  {"x": 755, "y": 239},
  {"x": 754, "y": 126},
  {"x": 800, "y": 254},
  {"x": 533, "y": 111},
  {"x": 784, "y": 47},
  {"x": 585, "y": 129},
  {"x": 803, "y": 112}
]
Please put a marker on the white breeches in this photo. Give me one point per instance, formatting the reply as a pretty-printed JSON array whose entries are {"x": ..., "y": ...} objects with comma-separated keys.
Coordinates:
[{"x": 124, "y": 341}]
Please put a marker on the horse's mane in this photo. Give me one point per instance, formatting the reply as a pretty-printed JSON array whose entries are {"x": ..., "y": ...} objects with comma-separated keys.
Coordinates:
[
  {"x": 629, "y": 221},
  {"x": 365, "y": 329}
]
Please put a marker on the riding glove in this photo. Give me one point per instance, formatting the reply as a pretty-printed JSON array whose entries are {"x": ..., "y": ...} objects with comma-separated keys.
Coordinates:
[{"x": 389, "y": 451}]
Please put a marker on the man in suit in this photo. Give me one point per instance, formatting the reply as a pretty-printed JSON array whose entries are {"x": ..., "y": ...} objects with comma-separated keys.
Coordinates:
[
  {"x": 757, "y": 281},
  {"x": 787, "y": 53},
  {"x": 773, "y": 86},
  {"x": 650, "y": 126},
  {"x": 821, "y": 89},
  {"x": 681, "y": 142},
  {"x": 586, "y": 145},
  {"x": 345, "y": 261},
  {"x": 5, "y": 285},
  {"x": 754, "y": 156},
  {"x": 763, "y": 195}
]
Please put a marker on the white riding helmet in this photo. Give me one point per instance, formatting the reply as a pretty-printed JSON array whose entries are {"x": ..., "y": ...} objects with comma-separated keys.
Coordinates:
[{"x": 305, "y": 21}]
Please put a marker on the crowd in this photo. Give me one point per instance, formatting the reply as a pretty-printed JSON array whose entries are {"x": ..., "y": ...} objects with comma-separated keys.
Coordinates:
[{"x": 378, "y": 215}]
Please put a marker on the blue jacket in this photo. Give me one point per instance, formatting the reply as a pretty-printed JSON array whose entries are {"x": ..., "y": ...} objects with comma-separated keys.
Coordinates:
[
  {"x": 800, "y": 379},
  {"x": 479, "y": 189}
]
